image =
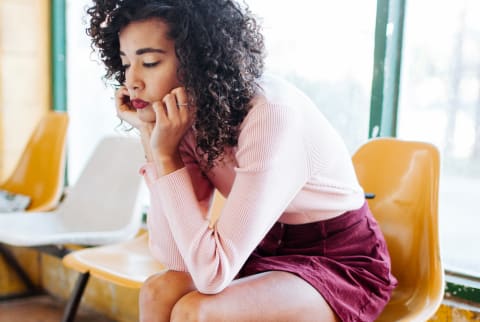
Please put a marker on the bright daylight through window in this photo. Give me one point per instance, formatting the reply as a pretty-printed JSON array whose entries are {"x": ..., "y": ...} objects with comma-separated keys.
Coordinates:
[{"x": 440, "y": 103}]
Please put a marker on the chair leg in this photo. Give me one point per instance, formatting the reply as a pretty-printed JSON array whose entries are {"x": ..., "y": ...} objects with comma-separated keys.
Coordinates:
[
  {"x": 12, "y": 262},
  {"x": 75, "y": 298}
]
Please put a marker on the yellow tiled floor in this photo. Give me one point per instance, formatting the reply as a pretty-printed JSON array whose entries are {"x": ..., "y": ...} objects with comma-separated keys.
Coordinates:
[{"x": 42, "y": 308}]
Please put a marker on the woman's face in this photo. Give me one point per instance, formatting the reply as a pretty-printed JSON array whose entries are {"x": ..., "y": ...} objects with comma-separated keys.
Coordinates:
[{"x": 150, "y": 63}]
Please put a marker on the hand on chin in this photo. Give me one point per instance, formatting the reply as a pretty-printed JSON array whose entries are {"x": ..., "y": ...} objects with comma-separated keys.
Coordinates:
[{"x": 146, "y": 115}]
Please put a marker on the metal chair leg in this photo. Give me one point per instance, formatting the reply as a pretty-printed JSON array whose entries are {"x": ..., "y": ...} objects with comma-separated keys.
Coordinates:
[{"x": 72, "y": 305}]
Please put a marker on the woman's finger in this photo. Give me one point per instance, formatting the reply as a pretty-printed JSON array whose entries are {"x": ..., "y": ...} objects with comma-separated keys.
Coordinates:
[
  {"x": 122, "y": 98},
  {"x": 186, "y": 110},
  {"x": 180, "y": 96},
  {"x": 160, "y": 113},
  {"x": 124, "y": 111},
  {"x": 171, "y": 106}
]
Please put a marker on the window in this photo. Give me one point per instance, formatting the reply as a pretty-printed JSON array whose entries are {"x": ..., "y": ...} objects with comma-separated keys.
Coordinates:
[
  {"x": 90, "y": 102},
  {"x": 440, "y": 103},
  {"x": 326, "y": 49}
]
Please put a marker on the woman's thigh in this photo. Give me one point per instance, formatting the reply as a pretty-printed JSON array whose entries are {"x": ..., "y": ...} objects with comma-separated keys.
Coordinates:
[{"x": 270, "y": 296}]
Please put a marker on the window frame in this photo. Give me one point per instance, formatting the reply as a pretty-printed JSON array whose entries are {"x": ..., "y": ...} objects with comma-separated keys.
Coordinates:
[{"x": 384, "y": 108}]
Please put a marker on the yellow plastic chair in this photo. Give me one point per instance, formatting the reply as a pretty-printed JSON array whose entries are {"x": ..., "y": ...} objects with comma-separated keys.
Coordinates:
[
  {"x": 404, "y": 177},
  {"x": 39, "y": 173},
  {"x": 127, "y": 263}
]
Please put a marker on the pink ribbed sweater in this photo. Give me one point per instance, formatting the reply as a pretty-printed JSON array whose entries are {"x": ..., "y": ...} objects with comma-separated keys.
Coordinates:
[{"x": 290, "y": 165}]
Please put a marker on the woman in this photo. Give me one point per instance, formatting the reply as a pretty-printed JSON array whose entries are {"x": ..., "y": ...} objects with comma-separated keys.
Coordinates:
[{"x": 295, "y": 240}]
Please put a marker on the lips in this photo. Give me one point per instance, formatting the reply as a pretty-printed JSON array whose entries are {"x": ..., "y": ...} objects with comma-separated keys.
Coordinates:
[{"x": 139, "y": 104}]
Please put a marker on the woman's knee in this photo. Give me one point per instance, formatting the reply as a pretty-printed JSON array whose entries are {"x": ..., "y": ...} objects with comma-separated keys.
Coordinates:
[
  {"x": 194, "y": 307},
  {"x": 152, "y": 288},
  {"x": 165, "y": 287}
]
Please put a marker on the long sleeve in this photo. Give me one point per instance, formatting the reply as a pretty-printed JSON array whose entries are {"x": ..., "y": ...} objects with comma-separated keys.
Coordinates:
[
  {"x": 272, "y": 168},
  {"x": 161, "y": 242}
]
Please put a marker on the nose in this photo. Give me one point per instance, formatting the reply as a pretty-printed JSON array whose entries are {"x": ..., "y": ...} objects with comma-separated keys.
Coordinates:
[{"x": 133, "y": 79}]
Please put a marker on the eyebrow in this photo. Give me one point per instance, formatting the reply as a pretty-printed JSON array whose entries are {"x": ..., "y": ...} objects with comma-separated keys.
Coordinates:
[{"x": 142, "y": 51}]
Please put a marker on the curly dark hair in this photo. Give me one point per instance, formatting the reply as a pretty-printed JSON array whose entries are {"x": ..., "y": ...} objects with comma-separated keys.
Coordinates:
[{"x": 221, "y": 55}]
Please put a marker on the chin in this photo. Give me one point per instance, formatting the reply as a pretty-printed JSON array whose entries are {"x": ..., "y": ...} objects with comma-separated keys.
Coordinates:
[{"x": 147, "y": 115}]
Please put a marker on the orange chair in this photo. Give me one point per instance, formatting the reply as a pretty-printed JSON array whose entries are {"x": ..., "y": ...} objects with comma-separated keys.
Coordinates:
[
  {"x": 39, "y": 173},
  {"x": 404, "y": 177}
]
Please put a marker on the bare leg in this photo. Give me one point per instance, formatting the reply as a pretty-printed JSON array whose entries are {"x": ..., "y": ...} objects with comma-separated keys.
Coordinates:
[
  {"x": 270, "y": 296},
  {"x": 159, "y": 294}
]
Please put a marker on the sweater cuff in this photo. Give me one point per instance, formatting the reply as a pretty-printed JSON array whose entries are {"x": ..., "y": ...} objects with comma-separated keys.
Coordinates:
[{"x": 149, "y": 172}]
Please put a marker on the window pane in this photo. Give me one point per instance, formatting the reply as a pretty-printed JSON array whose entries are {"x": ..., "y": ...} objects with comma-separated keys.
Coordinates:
[
  {"x": 326, "y": 49},
  {"x": 90, "y": 102},
  {"x": 440, "y": 103}
]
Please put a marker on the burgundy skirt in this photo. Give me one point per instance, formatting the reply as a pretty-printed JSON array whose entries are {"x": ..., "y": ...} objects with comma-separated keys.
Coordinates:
[{"x": 345, "y": 258}]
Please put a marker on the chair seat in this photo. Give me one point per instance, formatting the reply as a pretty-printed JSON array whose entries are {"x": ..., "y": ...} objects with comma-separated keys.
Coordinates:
[
  {"x": 128, "y": 263},
  {"x": 37, "y": 229},
  {"x": 409, "y": 307}
]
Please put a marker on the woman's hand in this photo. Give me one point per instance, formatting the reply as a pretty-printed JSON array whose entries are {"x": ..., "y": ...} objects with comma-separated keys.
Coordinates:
[
  {"x": 124, "y": 111},
  {"x": 174, "y": 116}
]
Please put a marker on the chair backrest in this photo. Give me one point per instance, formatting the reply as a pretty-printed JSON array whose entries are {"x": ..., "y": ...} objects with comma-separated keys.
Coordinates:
[
  {"x": 39, "y": 173},
  {"x": 107, "y": 195},
  {"x": 404, "y": 176}
]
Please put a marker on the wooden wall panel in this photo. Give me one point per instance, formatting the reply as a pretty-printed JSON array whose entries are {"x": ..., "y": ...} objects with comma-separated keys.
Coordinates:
[{"x": 24, "y": 74}]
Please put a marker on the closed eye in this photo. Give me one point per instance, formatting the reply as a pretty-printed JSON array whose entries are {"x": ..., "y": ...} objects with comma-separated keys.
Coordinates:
[{"x": 148, "y": 65}]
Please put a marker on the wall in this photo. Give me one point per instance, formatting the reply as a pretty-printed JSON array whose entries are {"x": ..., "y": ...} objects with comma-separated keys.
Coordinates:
[{"x": 24, "y": 74}]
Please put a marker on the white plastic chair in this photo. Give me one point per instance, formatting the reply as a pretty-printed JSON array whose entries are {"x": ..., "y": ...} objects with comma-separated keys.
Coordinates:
[{"x": 104, "y": 206}]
